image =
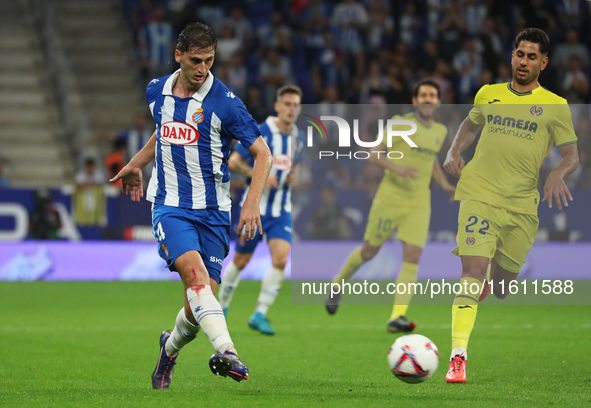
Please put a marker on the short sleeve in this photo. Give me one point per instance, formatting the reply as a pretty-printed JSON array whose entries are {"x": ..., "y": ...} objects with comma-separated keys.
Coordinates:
[
  {"x": 476, "y": 116},
  {"x": 153, "y": 89},
  {"x": 562, "y": 129},
  {"x": 241, "y": 125},
  {"x": 242, "y": 151}
]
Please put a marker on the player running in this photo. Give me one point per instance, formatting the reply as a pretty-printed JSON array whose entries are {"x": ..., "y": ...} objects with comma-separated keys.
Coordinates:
[
  {"x": 403, "y": 201},
  {"x": 285, "y": 142},
  {"x": 520, "y": 122},
  {"x": 196, "y": 118}
]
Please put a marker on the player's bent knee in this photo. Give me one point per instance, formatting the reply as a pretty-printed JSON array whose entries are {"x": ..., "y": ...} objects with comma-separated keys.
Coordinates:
[
  {"x": 240, "y": 264},
  {"x": 368, "y": 252},
  {"x": 411, "y": 253},
  {"x": 241, "y": 260},
  {"x": 502, "y": 279},
  {"x": 191, "y": 269},
  {"x": 280, "y": 262},
  {"x": 194, "y": 276},
  {"x": 474, "y": 272},
  {"x": 500, "y": 291}
]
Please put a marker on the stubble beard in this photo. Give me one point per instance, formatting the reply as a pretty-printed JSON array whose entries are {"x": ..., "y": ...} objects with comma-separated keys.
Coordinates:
[{"x": 524, "y": 81}]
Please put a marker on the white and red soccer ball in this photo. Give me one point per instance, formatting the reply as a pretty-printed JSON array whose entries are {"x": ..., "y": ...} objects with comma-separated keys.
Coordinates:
[{"x": 413, "y": 358}]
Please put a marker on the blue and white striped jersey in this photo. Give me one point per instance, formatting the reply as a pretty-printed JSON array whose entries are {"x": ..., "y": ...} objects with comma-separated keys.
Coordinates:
[
  {"x": 193, "y": 143},
  {"x": 287, "y": 151}
]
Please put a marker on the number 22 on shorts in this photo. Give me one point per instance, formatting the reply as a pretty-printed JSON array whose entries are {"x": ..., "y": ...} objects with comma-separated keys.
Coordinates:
[{"x": 473, "y": 221}]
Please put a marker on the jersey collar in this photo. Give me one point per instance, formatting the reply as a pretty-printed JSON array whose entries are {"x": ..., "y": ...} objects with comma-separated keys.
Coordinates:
[
  {"x": 201, "y": 92},
  {"x": 270, "y": 121},
  {"x": 415, "y": 116},
  {"x": 520, "y": 93}
]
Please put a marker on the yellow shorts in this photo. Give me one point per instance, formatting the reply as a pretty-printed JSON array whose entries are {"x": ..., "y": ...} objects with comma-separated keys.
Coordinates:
[
  {"x": 493, "y": 232},
  {"x": 412, "y": 223}
]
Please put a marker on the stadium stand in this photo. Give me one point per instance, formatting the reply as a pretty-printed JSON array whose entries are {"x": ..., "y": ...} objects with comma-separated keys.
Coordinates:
[
  {"x": 98, "y": 47},
  {"x": 32, "y": 152}
]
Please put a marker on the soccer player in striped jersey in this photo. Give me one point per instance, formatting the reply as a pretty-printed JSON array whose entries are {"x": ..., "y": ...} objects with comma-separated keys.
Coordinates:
[
  {"x": 196, "y": 117},
  {"x": 286, "y": 144},
  {"x": 498, "y": 220}
]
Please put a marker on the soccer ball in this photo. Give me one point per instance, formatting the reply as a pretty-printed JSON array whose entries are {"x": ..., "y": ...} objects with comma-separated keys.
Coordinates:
[{"x": 413, "y": 358}]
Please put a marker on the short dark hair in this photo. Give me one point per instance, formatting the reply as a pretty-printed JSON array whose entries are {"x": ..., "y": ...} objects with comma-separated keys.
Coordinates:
[
  {"x": 534, "y": 35},
  {"x": 289, "y": 89},
  {"x": 197, "y": 36},
  {"x": 430, "y": 82}
]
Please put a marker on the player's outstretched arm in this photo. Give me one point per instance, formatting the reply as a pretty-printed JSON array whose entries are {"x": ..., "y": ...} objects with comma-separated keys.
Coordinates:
[
  {"x": 131, "y": 174},
  {"x": 377, "y": 157},
  {"x": 464, "y": 138},
  {"x": 250, "y": 216},
  {"x": 555, "y": 187}
]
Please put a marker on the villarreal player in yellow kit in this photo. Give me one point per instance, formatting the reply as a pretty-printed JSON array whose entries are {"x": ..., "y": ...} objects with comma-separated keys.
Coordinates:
[
  {"x": 520, "y": 122},
  {"x": 403, "y": 200}
]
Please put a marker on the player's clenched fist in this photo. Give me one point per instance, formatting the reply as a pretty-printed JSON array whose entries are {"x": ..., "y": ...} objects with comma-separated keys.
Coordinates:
[
  {"x": 250, "y": 220},
  {"x": 454, "y": 163}
]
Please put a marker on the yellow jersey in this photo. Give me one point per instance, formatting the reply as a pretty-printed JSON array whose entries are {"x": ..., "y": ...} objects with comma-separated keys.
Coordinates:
[
  {"x": 519, "y": 129},
  {"x": 407, "y": 192}
]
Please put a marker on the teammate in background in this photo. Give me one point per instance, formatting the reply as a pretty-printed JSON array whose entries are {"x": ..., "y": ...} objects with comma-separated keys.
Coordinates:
[
  {"x": 403, "y": 201},
  {"x": 499, "y": 200},
  {"x": 285, "y": 142},
  {"x": 196, "y": 118}
]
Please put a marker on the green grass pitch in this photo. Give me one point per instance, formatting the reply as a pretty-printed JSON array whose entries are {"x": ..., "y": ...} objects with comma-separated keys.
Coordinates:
[{"x": 78, "y": 344}]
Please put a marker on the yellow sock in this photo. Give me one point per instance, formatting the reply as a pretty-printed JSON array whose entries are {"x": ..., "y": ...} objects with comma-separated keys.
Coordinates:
[
  {"x": 353, "y": 262},
  {"x": 463, "y": 312},
  {"x": 408, "y": 274}
]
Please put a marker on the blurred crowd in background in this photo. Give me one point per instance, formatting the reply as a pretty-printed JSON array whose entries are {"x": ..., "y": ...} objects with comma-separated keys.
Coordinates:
[
  {"x": 344, "y": 53},
  {"x": 366, "y": 51},
  {"x": 371, "y": 52},
  {"x": 357, "y": 52}
]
